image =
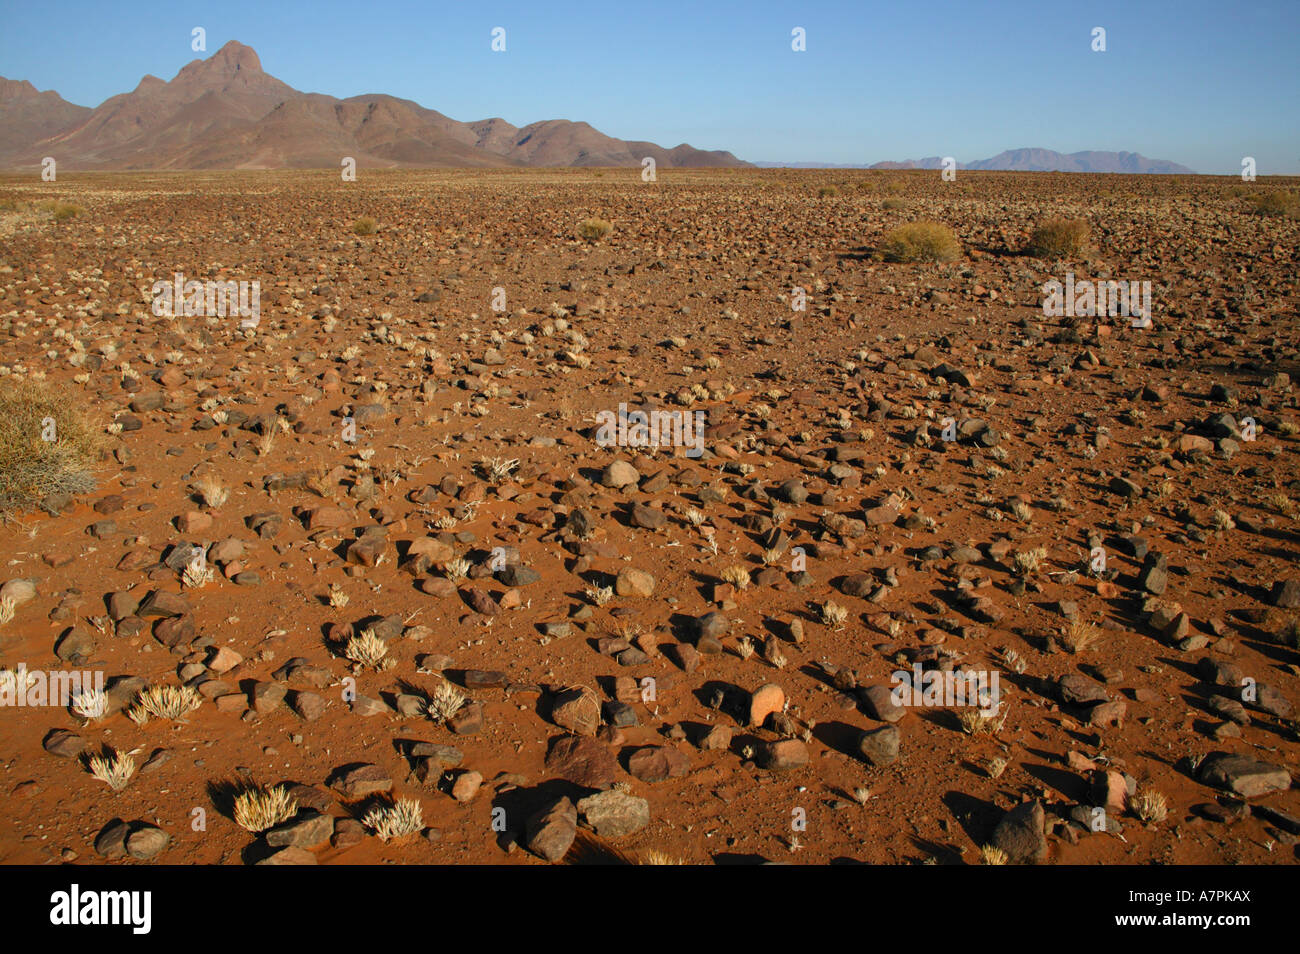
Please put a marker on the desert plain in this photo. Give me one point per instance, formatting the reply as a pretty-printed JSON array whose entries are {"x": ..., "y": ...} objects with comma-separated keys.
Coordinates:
[{"x": 423, "y": 577}]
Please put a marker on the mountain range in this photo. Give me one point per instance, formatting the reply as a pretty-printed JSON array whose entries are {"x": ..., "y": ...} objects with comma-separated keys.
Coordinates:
[
  {"x": 1047, "y": 160},
  {"x": 225, "y": 112}
]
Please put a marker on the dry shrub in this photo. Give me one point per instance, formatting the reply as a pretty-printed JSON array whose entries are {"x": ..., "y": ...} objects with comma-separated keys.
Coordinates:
[
  {"x": 593, "y": 230},
  {"x": 1058, "y": 238},
  {"x": 920, "y": 242},
  {"x": 1273, "y": 203},
  {"x": 365, "y": 226},
  {"x": 31, "y": 467}
]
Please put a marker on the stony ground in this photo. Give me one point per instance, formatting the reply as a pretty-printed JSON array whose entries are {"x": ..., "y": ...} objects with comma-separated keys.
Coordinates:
[{"x": 472, "y": 522}]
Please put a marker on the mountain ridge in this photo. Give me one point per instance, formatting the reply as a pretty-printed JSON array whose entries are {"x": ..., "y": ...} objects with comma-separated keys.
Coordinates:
[
  {"x": 1038, "y": 159},
  {"x": 227, "y": 112}
]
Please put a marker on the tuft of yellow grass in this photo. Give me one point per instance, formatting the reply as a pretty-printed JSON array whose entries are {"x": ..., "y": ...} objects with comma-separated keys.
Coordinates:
[
  {"x": 1273, "y": 203},
  {"x": 48, "y": 444},
  {"x": 165, "y": 702},
  {"x": 1079, "y": 636},
  {"x": 367, "y": 649},
  {"x": 259, "y": 807},
  {"x": 112, "y": 767},
  {"x": 60, "y": 210},
  {"x": 991, "y": 855},
  {"x": 1058, "y": 238},
  {"x": 210, "y": 491},
  {"x": 395, "y": 820},
  {"x": 1150, "y": 806},
  {"x": 593, "y": 230},
  {"x": 444, "y": 702},
  {"x": 920, "y": 242},
  {"x": 737, "y": 576},
  {"x": 653, "y": 856}
]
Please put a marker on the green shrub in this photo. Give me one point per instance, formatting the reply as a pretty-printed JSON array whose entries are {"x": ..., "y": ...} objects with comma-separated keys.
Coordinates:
[
  {"x": 32, "y": 467},
  {"x": 920, "y": 242},
  {"x": 593, "y": 230},
  {"x": 1058, "y": 238}
]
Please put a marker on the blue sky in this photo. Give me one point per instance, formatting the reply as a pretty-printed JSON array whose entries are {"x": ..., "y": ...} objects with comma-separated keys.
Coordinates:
[{"x": 1199, "y": 82}]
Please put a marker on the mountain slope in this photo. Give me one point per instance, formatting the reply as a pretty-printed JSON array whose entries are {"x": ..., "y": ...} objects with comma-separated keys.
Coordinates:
[
  {"x": 226, "y": 112},
  {"x": 29, "y": 116}
]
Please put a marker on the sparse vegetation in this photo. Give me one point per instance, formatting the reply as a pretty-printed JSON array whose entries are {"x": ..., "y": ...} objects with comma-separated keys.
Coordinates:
[
  {"x": 920, "y": 242},
  {"x": 444, "y": 702},
  {"x": 834, "y": 615},
  {"x": 1058, "y": 238},
  {"x": 113, "y": 768},
  {"x": 90, "y": 704},
  {"x": 365, "y": 226},
  {"x": 737, "y": 576},
  {"x": 990, "y": 855},
  {"x": 1150, "y": 806},
  {"x": 593, "y": 230},
  {"x": 47, "y": 445},
  {"x": 600, "y": 595},
  {"x": 367, "y": 650},
  {"x": 1273, "y": 203},
  {"x": 259, "y": 807},
  {"x": 1079, "y": 636},
  {"x": 164, "y": 702},
  {"x": 395, "y": 820},
  {"x": 1028, "y": 562},
  {"x": 211, "y": 492}
]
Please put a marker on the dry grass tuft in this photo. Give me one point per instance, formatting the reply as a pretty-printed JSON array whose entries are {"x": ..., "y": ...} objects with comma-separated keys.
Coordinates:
[
  {"x": 1150, "y": 806},
  {"x": 164, "y": 702},
  {"x": 593, "y": 230},
  {"x": 444, "y": 702},
  {"x": 60, "y": 210},
  {"x": 211, "y": 492},
  {"x": 989, "y": 855},
  {"x": 367, "y": 650},
  {"x": 395, "y": 820},
  {"x": 1079, "y": 636},
  {"x": 920, "y": 242},
  {"x": 31, "y": 467},
  {"x": 259, "y": 807},
  {"x": 737, "y": 576},
  {"x": 1058, "y": 238},
  {"x": 1273, "y": 203},
  {"x": 112, "y": 767}
]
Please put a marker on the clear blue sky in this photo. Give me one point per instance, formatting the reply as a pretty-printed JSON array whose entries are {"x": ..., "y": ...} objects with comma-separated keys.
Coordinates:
[{"x": 1201, "y": 82}]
